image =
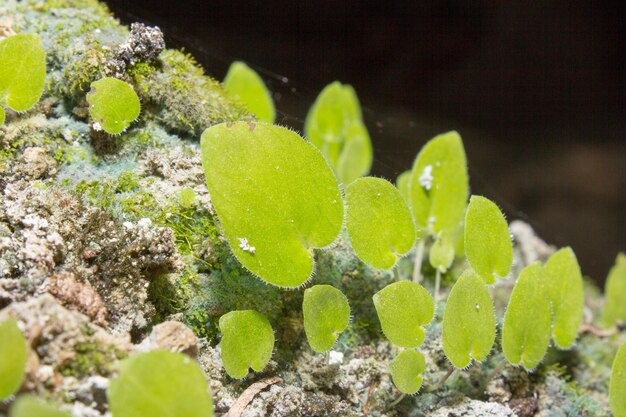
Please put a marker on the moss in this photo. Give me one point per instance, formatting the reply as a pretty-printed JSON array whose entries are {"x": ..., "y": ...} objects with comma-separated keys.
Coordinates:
[{"x": 89, "y": 359}]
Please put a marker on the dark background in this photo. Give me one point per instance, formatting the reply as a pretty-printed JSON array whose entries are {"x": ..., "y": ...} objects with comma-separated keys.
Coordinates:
[{"x": 537, "y": 90}]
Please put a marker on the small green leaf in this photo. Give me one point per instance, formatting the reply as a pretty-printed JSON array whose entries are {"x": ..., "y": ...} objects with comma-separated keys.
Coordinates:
[
  {"x": 402, "y": 183},
  {"x": 615, "y": 293},
  {"x": 617, "y": 387},
  {"x": 488, "y": 246},
  {"x": 245, "y": 85},
  {"x": 186, "y": 197},
  {"x": 22, "y": 73},
  {"x": 247, "y": 342},
  {"x": 335, "y": 125},
  {"x": 379, "y": 222},
  {"x": 439, "y": 185},
  {"x": 113, "y": 105},
  {"x": 527, "y": 323},
  {"x": 13, "y": 355},
  {"x": 403, "y": 309},
  {"x": 30, "y": 406},
  {"x": 441, "y": 254},
  {"x": 469, "y": 321},
  {"x": 160, "y": 383},
  {"x": 275, "y": 196},
  {"x": 565, "y": 286},
  {"x": 406, "y": 371},
  {"x": 326, "y": 314}
]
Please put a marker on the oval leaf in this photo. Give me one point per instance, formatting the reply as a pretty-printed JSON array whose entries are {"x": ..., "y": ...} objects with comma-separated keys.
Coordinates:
[
  {"x": 379, "y": 222},
  {"x": 615, "y": 293},
  {"x": 13, "y": 355},
  {"x": 406, "y": 371},
  {"x": 244, "y": 84},
  {"x": 275, "y": 196},
  {"x": 113, "y": 105},
  {"x": 23, "y": 71},
  {"x": 326, "y": 314},
  {"x": 527, "y": 325},
  {"x": 403, "y": 309},
  {"x": 488, "y": 245},
  {"x": 29, "y": 406},
  {"x": 469, "y": 321},
  {"x": 617, "y": 387},
  {"x": 247, "y": 342},
  {"x": 441, "y": 254},
  {"x": 334, "y": 124},
  {"x": 565, "y": 287},
  {"x": 160, "y": 383}
]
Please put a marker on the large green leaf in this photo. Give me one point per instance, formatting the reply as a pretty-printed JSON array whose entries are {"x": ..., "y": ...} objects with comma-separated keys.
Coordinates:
[
  {"x": 22, "y": 72},
  {"x": 244, "y": 84},
  {"x": 113, "y": 105},
  {"x": 565, "y": 286},
  {"x": 326, "y": 314},
  {"x": 30, "y": 406},
  {"x": 13, "y": 355},
  {"x": 617, "y": 387},
  {"x": 469, "y": 321},
  {"x": 527, "y": 323},
  {"x": 615, "y": 293},
  {"x": 406, "y": 371},
  {"x": 488, "y": 246},
  {"x": 403, "y": 309},
  {"x": 439, "y": 185},
  {"x": 334, "y": 124},
  {"x": 160, "y": 383},
  {"x": 247, "y": 342},
  {"x": 379, "y": 222},
  {"x": 276, "y": 198}
]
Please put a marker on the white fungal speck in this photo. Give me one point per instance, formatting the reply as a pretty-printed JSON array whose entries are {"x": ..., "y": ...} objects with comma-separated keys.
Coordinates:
[
  {"x": 335, "y": 358},
  {"x": 96, "y": 126},
  {"x": 477, "y": 307},
  {"x": 244, "y": 245},
  {"x": 426, "y": 179}
]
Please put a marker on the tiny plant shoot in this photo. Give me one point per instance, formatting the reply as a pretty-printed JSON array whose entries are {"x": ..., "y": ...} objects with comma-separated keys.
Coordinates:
[
  {"x": 247, "y": 342},
  {"x": 403, "y": 309},
  {"x": 615, "y": 293},
  {"x": 527, "y": 324},
  {"x": 160, "y": 383},
  {"x": 245, "y": 85},
  {"x": 565, "y": 288},
  {"x": 113, "y": 105},
  {"x": 617, "y": 387},
  {"x": 335, "y": 125},
  {"x": 13, "y": 355},
  {"x": 406, "y": 371},
  {"x": 402, "y": 183},
  {"x": 22, "y": 72},
  {"x": 488, "y": 246},
  {"x": 326, "y": 314},
  {"x": 379, "y": 222},
  {"x": 30, "y": 406},
  {"x": 469, "y": 321},
  {"x": 276, "y": 198}
]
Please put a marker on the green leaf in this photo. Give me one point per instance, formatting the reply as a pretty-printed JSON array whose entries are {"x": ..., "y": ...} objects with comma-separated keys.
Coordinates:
[
  {"x": 113, "y": 105},
  {"x": 617, "y": 387},
  {"x": 22, "y": 73},
  {"x": 406, "y": 371},
  {"x": 402, "y": 183},
  {"x": 441, "y": 254},
  {"x": 186, "y": 197},
  {"x": 245, "y": 85},
  {"x": 379, "y": 222},
  {"x": 439, "y": 185},
  {"x": 469, "y": 321},
  {"x": 335, "y": 125},
  {"x": 13, "y": 355},
  {"x": 30, "y": 406},
  {"x": 615, "y": 293},
  {"x": 403, "y": 309},
  {"x": 160, "y": 384},
  {"x": 326, "y": 314},
  {"x": 275, "y": 196},
  {"x": 565, "y": 287},
  {"x": 527, "y": 323},
  {"x": 488, "y": 246},
  {"x": 247, "y": 342}
]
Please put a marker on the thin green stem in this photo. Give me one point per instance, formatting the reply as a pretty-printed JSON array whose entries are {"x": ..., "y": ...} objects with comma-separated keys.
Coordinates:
[
  {"x": 419, "y": 256},
  {"x": 437, "y": 284}
]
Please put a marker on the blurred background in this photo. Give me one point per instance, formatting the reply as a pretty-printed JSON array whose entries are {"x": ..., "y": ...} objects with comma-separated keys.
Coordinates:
[{"x": 536, "y": 89}]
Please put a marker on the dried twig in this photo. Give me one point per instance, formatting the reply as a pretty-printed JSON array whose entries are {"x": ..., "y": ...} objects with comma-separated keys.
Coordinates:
[
  {"x": 248, "y": 395},
  {"x": 589, "y": 328}
]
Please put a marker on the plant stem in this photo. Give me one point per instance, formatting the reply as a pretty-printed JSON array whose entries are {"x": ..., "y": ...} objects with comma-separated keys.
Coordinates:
[
  {"x": 437, "y": 284},
  {"x": 419, "y": 255},
  {"x": 396, "y": 402},
  {"x": 443, "y": 380}
]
